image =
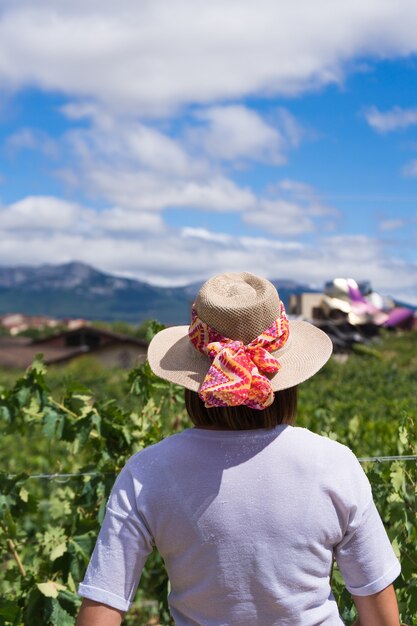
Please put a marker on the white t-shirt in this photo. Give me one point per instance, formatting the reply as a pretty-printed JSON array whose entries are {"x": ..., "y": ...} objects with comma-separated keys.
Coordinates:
[{"x": 247, "y": 523}]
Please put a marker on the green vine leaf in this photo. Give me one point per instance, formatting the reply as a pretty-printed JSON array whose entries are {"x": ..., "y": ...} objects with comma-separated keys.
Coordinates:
[
  {"x": 59, "y": 616},
  {"x": 58, "y": 551},
  {"x": 50, "y": 589},
  {"x": 82, "y": 421}
]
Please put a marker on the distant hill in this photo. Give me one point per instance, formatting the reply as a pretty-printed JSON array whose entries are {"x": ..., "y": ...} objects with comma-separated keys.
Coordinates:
[{"x": 78, "y": 290}]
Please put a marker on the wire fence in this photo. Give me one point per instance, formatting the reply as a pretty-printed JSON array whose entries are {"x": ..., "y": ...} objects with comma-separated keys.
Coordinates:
[
  {"x": 66, "y": 476},
  {"x": 387, "y": 459}
]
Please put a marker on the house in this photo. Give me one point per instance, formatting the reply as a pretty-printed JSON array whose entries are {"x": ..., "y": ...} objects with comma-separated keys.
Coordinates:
[
  {"x": 111, "y": 349},
  {"x": 16, "y": 323},
  {"x": 305, "y": 305}
]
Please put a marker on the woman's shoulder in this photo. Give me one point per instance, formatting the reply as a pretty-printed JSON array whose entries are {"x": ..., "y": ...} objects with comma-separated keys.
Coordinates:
[
  {"x": 157, "y": 450},
  {"x": 331, "y": 461},
  {"x": 318, "y": 443}
]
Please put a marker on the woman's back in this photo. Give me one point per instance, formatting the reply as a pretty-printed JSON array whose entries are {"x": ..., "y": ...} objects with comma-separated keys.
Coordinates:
[{"x": 247, "y": 523}]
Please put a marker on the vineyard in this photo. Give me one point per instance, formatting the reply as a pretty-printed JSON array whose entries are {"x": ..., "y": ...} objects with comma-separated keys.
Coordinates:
[{"x": 66, "y": 433}]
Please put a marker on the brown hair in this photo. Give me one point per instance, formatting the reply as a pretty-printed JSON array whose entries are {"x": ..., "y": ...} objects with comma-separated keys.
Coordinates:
[{"x": 282, "y": 411}]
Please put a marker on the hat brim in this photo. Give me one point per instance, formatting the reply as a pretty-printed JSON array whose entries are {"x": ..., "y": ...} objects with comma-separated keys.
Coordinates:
[{"x": 172, "y": 356}]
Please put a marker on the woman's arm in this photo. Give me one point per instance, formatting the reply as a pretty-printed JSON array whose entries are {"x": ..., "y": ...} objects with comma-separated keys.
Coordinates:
[
  {"x": 97, "y": 614},
  {"x": 379, "y": 609}
]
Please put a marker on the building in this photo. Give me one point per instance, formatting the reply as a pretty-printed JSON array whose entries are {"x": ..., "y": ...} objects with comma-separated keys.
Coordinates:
[
  {"x": 306, "y": 305},
  {"x": 111, "y": 349}
]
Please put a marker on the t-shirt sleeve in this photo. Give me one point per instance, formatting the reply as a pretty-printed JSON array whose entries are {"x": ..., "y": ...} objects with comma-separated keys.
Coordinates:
[
  {"x": 365, "y": 556},
  {"x": 122, "y": 547}
]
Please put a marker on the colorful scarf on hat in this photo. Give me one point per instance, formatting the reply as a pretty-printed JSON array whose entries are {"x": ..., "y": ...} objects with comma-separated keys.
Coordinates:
[{"x": 236, "y": 375}]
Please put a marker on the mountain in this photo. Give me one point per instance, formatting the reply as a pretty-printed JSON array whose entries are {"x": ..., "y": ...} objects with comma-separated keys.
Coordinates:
[{"x": 79, "y": 290}]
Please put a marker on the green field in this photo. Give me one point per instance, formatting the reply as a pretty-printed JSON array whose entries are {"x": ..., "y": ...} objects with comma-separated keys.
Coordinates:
[{"x": 85, "y": 421}]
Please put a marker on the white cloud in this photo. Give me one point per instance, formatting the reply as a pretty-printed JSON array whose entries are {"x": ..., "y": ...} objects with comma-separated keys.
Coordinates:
[
  {"x": 174, "y": 258},
  {"x": 261, "y": 243},
  {"x": 82, "y": 110},
  {"x": 137, "y": 171},
  {"x": 171, "y": 259},
  {"x": 297, "y": 189},
  {"x": 291, "y": 129},
  {"x": 410, "y": 170},
  {"x": 292, "y": 208},
  {"x": 119, "y": 221},
  {"x": 306, "y": 194},
  {"x": 22, "y": 139},
  {"x": 359, "y": 256},
  {"x": 119, "y": 63},
  {"x": 366, "y": 258},
  {"x": 280, "y": 217},
  {"x": 149, "y": 192},
  {"x": 50, "y": 216},
  {"x": 397, "y": 118},
  {"x": 139, "y": 167},
  {"x": 31, "y": 139},
  {"x": 129, "y": 143},
  {"x": 158, "y": 152},
  {"x": 235, "y": 132},
  {"x": 394, "y": 224},
  {"x": 153, "y": 56},
  {"x": 207, "y": 235},
  {"x": 39, "y": 213}
]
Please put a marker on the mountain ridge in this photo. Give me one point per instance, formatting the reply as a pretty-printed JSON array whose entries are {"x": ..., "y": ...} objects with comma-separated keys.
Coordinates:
[{"x": 79, "y": 290}]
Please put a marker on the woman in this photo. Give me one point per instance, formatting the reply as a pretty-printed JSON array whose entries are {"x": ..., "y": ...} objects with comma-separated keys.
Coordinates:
[{"x": 247, "y": 511}]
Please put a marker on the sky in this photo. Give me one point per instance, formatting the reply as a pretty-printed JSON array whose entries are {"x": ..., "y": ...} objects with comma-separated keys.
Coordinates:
[{"x": 170, "y": 140}]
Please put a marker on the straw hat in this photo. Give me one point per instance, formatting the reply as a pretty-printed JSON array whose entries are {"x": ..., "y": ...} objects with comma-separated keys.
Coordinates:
[{"x": 240, "y": 306}]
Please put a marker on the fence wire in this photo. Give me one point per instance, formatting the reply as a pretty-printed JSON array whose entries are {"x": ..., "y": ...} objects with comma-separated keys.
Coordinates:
[{"x": 66, "y": 476}]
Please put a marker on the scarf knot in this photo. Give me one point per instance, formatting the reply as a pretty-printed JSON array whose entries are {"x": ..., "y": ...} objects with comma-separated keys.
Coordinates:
[{"x": 237, "y": 372}]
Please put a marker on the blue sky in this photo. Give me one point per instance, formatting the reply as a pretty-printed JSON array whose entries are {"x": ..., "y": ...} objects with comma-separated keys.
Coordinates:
[{"x": 170, "y": 141}]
